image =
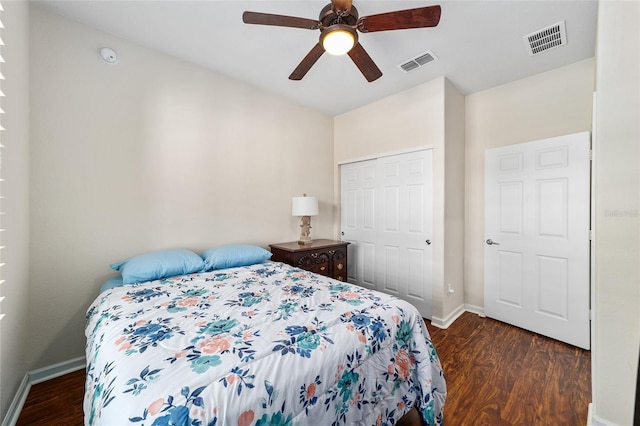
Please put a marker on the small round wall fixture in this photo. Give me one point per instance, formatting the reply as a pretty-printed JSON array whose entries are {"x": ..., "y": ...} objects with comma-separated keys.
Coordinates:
[{"x": 108, "y": 55}]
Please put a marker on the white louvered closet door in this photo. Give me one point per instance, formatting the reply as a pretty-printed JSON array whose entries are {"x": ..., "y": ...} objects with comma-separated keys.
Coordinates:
[{"x": 386, "y": 215}]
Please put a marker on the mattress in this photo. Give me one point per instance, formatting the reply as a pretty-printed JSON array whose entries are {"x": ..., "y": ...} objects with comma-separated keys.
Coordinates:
[{"x": 257, "y": 345}]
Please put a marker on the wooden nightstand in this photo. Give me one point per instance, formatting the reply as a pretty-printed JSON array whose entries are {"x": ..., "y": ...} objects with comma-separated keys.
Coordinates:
[{"x": 325, "y": 257}]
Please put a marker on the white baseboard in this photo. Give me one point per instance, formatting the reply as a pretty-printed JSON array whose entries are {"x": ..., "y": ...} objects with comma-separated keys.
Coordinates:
[
  {"x": 593, "y": 420},
  {"x": 38, "y": 376},
  {"x": 56, "y": 370},
  {"x": 475, "y": 310},
  {"x": 11, "y": 418},
  {"x": 446, "y": 322}
]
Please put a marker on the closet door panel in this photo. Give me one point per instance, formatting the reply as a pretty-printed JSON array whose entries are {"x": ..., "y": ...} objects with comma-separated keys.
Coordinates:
[{"x": 358, "y": 220}]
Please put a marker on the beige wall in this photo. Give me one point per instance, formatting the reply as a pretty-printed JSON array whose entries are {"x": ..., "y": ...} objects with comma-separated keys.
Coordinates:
[
  {"x": 15, "y": 170},
  {"x": 617, "y": 213},
  {"x": 453, "y": 219},
  {"x": 146, "y": 154},
  {"x": 408, "y": 119},
  {"x": 551, "y": 104}
]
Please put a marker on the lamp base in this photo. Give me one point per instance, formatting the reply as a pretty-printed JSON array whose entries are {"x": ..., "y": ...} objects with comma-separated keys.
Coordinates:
[
  {"x": 305, "y": 230},
  {"x": 304, "y": 241}
]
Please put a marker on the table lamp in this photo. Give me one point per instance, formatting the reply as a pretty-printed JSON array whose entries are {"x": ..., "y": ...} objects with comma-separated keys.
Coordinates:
[{"x": 305, "y": 207}]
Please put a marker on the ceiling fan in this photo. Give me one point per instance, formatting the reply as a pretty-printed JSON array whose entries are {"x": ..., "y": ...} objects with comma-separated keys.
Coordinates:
[{"x": 338, "y": 23}]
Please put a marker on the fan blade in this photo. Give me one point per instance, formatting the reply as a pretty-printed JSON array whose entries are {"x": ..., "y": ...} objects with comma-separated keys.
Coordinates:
[
  {"x": 308, "y": 61},
  {"x": 341, "y": 6},
  {"x": 364, "y": 63},
  {"x": 421, "y": 17},
  {"x": 279, "y": 20}
]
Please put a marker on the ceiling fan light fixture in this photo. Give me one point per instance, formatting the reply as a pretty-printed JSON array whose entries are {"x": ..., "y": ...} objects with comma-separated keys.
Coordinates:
[{"x": 338, "y": 39}]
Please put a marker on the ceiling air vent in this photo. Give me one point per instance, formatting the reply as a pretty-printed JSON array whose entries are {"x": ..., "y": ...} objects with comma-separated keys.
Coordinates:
[
  {"x": 547, "y": 38},
  {"x": 418, "y": 61}
]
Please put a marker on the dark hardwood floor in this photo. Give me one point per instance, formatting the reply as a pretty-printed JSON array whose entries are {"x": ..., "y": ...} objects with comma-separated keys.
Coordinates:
[
  {"x": 496, "y": 375},
  {"x": 55, "y": 402}
]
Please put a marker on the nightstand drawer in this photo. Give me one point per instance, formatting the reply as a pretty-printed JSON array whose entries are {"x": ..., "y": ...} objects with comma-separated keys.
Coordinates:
[{"x": 324, "y": 257}]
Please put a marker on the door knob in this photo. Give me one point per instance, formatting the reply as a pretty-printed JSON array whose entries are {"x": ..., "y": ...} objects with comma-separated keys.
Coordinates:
[
  {"x": 428, "y": 242},
  {"x": 491, "y": 242}
]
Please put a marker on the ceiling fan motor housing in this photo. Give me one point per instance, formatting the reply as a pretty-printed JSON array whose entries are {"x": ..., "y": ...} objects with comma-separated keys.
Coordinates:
[{"x": 329, "y": 17}]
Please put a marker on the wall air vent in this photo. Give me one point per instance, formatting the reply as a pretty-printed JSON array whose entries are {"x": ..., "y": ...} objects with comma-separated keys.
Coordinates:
[
  {"x": 547, "y": 38},
  {"x": 418, "y": 61}
]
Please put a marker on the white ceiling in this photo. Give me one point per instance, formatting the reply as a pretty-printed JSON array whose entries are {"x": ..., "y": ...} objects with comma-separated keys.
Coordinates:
[{"x": 478, "y": 43}]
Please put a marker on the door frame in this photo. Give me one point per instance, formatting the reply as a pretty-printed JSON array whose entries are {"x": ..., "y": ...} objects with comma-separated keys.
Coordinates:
[{"x": 383, "y": 154}]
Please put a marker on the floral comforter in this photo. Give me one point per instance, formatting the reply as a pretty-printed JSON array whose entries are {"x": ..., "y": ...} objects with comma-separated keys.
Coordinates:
[{"x": 265, "y": 344}]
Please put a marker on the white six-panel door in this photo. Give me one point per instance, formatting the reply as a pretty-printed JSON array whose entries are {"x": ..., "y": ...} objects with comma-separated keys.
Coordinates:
[
  {"x": 537, "y": 201},
  {"x": 386, "y": 215}
]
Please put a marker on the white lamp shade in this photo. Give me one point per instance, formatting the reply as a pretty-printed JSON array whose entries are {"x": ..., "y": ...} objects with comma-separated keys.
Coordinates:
[
  {"x": 338, "y": 42},
  {"x": 304, "y": 206}
]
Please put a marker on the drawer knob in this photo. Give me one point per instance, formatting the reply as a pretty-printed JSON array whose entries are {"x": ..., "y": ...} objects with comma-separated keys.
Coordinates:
[
  {"x": 322, "y": 268},
  {"x": 340, "y": 266}
]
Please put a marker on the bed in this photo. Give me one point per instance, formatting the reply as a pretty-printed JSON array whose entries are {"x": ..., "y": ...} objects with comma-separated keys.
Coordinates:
[{"x": 260, "y": 344}]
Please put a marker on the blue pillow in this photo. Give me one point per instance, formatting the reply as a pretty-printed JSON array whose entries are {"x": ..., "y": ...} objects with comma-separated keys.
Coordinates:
[
  {"x": 159, "y": 264},
  {"x": 112, "y": 283},
  {"x": 234, "y": 255}
]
